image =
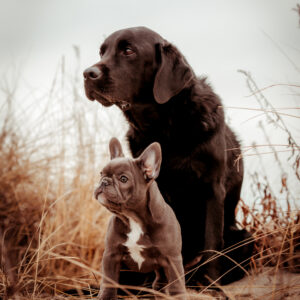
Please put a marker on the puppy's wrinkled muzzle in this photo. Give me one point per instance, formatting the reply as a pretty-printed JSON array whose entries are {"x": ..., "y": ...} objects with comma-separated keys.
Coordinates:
[
  {"x": 103, "y": 183},
  {"x": 97, "y": 192}
]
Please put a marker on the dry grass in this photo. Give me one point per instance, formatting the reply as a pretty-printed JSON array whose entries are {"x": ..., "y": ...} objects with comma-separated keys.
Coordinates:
[{"x": 51, "y": 229}]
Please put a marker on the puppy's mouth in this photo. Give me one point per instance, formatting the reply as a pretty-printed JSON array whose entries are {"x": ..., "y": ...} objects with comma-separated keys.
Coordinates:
[{"x": 111, "y": 205}]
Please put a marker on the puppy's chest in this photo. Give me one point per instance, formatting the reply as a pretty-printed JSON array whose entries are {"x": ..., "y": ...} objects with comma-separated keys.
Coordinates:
[{"x": 136, "y": 245}]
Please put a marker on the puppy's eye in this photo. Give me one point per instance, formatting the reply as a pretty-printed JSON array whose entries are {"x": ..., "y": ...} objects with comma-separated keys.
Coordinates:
[
  {"x": 123, "y": 179},
  {"x": 128, "y": 51}
]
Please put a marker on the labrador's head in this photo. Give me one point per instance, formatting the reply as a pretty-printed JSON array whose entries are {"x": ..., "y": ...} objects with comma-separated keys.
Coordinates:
[{"x": 136, "y": 62}]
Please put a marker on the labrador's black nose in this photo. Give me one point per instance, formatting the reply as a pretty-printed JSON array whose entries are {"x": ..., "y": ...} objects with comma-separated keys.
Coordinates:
[{"x": 92, "y": 73}]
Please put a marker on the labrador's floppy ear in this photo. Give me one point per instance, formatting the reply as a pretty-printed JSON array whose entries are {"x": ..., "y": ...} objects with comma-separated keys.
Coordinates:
[
  {"x": 173, "y": 74},
  {"x": 150, "y": 160},
  {"x": 115, "y": 148}
]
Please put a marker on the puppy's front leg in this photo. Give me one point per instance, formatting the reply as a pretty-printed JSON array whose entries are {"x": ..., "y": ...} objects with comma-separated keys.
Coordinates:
[
  {"x": 110, "y": 275},
  {"x": 175, "y": 275},
  {"x": 214, "y": 227}
]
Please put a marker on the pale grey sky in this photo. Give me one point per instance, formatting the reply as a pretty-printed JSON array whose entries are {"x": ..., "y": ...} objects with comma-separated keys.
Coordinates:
[{"x": 217, "y": 37}]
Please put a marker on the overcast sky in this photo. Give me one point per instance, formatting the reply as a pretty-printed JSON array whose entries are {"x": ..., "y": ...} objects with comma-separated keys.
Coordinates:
[{"x": 217, "y": 37}]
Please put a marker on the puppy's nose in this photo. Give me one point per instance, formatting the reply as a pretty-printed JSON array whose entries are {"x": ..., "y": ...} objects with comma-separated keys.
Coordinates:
[
  {"x": 92, "y": 73},
  {"x": 105, "y": 182}
]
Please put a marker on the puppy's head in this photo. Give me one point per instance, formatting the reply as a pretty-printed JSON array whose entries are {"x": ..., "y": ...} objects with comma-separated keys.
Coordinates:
[
  {"x": 136, "y": 63},
  {"x": 124, "y": 182}
]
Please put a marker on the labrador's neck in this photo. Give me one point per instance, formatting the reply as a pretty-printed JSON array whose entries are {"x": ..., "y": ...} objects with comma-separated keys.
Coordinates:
[{"x": 145, "y": 115}]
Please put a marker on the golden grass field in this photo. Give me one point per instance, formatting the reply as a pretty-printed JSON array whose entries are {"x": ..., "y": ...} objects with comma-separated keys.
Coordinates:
[{"x": 52, "y": 230}]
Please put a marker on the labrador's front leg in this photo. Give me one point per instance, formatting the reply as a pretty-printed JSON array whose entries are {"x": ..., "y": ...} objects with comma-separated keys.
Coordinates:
[
  {"x": 110, "y": 275},
  {"x": 214, "y": 227}
]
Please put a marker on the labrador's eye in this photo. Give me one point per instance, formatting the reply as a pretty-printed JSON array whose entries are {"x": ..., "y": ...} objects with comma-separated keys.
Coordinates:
[
  {"x": 123, "y": 179},
  {"x": 128, "y": 51}
]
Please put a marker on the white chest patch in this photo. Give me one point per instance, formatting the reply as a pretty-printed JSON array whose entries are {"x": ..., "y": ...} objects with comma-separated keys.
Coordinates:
[{"x": 131, "y": 243}]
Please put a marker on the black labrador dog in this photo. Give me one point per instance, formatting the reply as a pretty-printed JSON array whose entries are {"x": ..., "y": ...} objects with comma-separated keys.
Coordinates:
[{"x": 201, "y": 175}]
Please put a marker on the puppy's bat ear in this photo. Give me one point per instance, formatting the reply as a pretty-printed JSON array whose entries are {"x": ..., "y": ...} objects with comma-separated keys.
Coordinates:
[
  {"x": 150, "y": 161},
  {"x": 173, "y": 74},
  {"x": 115, "y": 148}
]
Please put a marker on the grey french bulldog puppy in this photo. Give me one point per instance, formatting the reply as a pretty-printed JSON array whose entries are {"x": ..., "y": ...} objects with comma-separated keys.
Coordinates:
[{"x": 143, "y": 232}]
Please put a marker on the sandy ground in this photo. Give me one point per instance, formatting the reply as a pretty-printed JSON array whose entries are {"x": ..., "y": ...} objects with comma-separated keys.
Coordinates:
[{"x": 270, "y": 284}]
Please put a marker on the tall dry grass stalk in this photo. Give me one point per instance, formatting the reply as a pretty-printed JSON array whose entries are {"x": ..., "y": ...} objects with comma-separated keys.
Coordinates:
[
  {"x": 274, "y": 224},
  {"x": 51, "y": 229}
]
